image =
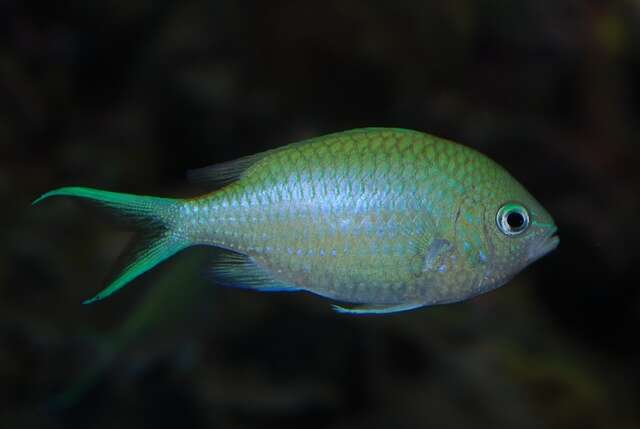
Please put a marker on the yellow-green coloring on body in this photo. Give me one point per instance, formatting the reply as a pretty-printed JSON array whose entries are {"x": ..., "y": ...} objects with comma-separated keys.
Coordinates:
[{"x": 386, "y": 219}]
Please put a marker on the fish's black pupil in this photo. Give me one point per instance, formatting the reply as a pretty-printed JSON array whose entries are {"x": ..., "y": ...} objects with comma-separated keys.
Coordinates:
[{"x": 515, "y": 220}]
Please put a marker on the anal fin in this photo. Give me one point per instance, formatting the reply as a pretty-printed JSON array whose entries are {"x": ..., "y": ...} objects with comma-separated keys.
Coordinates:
[
  {"x": 377, "y": 309},
  {"x": 238, "y": 270}
]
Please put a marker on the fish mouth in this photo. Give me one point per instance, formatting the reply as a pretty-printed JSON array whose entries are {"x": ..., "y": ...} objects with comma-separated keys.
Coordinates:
[{"x": 546, "y": 245}]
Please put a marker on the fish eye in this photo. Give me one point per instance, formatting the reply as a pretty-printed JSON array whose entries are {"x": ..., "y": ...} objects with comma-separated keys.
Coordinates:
[{"x": 512, "y": 219}]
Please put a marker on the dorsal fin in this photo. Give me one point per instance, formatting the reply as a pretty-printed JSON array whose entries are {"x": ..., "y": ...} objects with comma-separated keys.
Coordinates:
[
  {"x": 218, "y": 175},
  {"x": 221, "y": 174}
]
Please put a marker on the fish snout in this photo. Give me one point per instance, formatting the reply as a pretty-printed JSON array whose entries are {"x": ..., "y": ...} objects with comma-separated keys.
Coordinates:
[{"x": 546, "y": 244}]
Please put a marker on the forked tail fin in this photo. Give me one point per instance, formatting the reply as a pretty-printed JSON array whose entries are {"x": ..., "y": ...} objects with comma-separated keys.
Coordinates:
[{"x": 154, "y": 215}]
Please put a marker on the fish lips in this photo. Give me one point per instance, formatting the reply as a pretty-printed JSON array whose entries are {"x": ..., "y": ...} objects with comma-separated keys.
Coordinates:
[{"x": 548, "y": 243}]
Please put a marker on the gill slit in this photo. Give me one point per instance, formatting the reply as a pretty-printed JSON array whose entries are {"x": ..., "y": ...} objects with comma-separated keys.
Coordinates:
[{"x": 490, "y": 248}]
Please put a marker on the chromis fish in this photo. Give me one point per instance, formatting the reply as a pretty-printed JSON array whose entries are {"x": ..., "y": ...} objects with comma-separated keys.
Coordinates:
[{"x": 384, "y": 219}]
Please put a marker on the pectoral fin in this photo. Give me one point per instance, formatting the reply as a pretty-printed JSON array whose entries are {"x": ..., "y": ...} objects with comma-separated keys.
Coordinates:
[
  {"x": 435, "y": 254},
  {"x": 377, "y": 309}
]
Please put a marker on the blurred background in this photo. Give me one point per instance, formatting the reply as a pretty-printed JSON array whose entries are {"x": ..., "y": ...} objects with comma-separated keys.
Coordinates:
[{"x": 128, "y": 95}]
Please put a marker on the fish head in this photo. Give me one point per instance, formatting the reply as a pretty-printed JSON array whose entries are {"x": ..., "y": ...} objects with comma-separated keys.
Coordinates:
[{"x": 518, "y": 229}]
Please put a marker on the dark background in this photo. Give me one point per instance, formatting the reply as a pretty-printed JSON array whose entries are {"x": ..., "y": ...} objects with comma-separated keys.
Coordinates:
[{"x": 128, "y": 95}]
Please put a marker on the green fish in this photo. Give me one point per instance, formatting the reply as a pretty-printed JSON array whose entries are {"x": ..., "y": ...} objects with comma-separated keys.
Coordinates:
[{"x": 385, "y": 219}]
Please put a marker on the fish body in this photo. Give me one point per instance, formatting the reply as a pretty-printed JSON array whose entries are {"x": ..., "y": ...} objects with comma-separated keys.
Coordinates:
[{"x": 388, "y": 219}]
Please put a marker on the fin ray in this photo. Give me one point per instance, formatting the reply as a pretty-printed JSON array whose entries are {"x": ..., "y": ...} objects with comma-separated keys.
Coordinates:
[
  {"x": 377, "y": 308},
  {"x": 143, "y": 255},
  {"x": 435, "y": 253},
  {"x": 152, "y": 214},
  {"x": 241, "y": 271},
  {"x": 218, "y": 175},
  {"x": 224, "y": 173}
]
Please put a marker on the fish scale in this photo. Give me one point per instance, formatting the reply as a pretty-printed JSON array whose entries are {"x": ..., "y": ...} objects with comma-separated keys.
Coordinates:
[
  {"x": 388, "y": 218},
  {"x": 365, "y": 187}
]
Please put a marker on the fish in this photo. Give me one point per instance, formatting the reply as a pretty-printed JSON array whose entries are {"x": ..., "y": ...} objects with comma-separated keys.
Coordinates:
[{"x": 377, "y": 220}]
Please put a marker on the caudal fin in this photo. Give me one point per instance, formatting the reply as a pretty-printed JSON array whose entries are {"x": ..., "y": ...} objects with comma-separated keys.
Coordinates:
[{"x": 154, "y": 215}]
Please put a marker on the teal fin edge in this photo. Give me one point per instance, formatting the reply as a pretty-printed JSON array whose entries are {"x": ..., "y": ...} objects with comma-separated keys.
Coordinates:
[
  {"x": 241, "y": 271},
  {"x": 151, "y": 253},
  {"x": 151, "y": 213},
  {"x": 377, "y": 309}
]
